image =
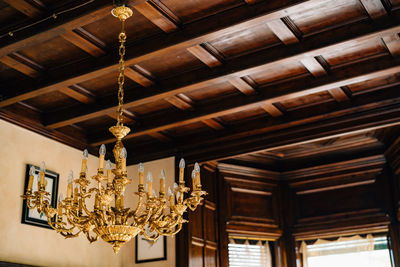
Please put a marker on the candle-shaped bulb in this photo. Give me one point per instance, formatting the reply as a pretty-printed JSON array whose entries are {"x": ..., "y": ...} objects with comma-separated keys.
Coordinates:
[
  {"x": 60, "y": 198},
  {"x": 141, "y": 167},
  {"x": 170, "y": 193},
  {"x": 162, "y": 173},
  {"x": 102, "y": 150},
  {"x": 85, "y": 154},
  {"x": 149, "y": 177},
  {"x": 32, "y": 171},
  {"x": 70, "y": 177},
  {"x": 154, "y": 192},
  {"x": 178, "y": 195},
  {"x": 175, "y": 185},
  {"x": 197, "y": 167},
  {"x": 43, "y": 167},
  {"x": 108, "y": 165},
  {"x": 124, "y": 153},
  {"x": 193, "y": 174},
  {"x": 182, "y": 164}
]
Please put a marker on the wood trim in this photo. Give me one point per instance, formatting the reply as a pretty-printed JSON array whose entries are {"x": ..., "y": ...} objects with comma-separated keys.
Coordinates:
[
  {"x": 21, "y": 67},
  {"x": 374, "y": 8},
  {"x": 156, "y": 16},
  {"x": 339, "y": 95},
  {"x": 83, "y": 43},
  {"x": 345, "y": 167},
  {"x": 178, "y": 102},
  {"x": 313, "y": 66},
  {"x": 138, "y": 77},
  {"x": 242, "y": 86},
  {"x": 78, "y": 93},
  {"x": 392, "y": 43},
  {"x": 335, "y": 187},
  {"x": 230, "y": 169},
  {"x": 213, "y": 124},
  {"x": 283, "y": 32},
  {"x": 204, "y": 56},
  {"x": 272, "y": 110}
]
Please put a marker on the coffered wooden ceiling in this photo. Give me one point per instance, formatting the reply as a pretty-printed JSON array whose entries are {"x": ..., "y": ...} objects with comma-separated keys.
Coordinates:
[{"x": 206, "y": 79}]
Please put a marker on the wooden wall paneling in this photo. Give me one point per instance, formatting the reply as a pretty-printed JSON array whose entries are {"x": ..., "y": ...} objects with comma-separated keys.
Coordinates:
[{"x": 202, "y": 232}]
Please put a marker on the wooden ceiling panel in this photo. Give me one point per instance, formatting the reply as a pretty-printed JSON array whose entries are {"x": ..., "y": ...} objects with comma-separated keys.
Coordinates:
[
  {"x": 188, "y": 129},
  {"x": 238, "y": 117},
  {"x": 355, "y": 52},
  {"x": 245, "y": 41},
  {"x": 170, "y": 64},
  {"x": 380, "y": 82},
  {"x": 100, "y": 123},
  {"x": 151, "y": 107},
  {"x": 8, "y": 74},
  {"x": 320, "y": 15},
  {"x": 305, "y": 101},
  {"x": 51, "y": 101},
  {"x": 106, "y": 84},
  {"x": 212, "y": 92},
  {"x": 277, "y": 72},
  {"x": 54, "y": 53},
  {"x": 9, "y": 15},
  {"x": 191, "y": 10},
  {"x": 138, "y": 27}
]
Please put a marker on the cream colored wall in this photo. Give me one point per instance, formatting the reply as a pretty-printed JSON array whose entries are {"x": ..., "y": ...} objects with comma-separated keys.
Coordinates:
[
  {"x": 127, "y": 252},
  {"x": 22, "y": 243}
]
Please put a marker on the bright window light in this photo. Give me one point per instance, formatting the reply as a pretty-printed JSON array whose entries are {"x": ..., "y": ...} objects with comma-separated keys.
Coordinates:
[{"x": 371, "y": 252}]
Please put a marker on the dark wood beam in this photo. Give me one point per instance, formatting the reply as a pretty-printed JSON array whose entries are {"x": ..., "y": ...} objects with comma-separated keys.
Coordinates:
[
  {"x": 242, "y": 86},
  {"x": 193, "y": 34},
  {"x": 279, "y": 28},
  {"x": 337, "y": 78},
  {"x": 161, "y": 137},
  {"x": 272, "y": 110},
  {"x": 358, "y": 119},
  {"x": 83, "y": 43},
  {"x": 196, "y": 81},
  {"x": 19, "y": 66},
  {"x": 156, "y": 16},
  {"x": 339, "y": 95},
  {"x": 179, "y": 102},
  {"x": 138, "y": 77},
  {"x": 374, "y": 8},
  {"x": 313, "y": 66},
  {"x": 78, "y": 93},
  {"x": 392, "y": 42},
  {"x": 205, "y": 56},
  {"x": 25, "y": 7},
  {"x": 213, "y": 124},
  {"x": 49, "y": 29}
]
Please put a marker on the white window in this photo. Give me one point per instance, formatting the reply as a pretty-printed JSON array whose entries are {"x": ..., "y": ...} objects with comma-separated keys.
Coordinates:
[
  {"x": 249, "y": 253},
  {"x": 355, "y": 251}
]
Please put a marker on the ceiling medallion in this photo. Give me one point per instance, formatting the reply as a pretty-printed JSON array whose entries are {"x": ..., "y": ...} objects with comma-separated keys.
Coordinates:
[{"x": 154, "y": 216}]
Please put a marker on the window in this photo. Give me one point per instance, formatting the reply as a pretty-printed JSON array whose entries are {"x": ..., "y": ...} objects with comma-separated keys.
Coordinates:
[
  {"x": 352, "y": 251},
  {"x": 249, "y": 253}
]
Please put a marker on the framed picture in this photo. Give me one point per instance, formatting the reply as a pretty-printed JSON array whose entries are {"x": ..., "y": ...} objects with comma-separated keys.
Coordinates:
[
  {"x": 31, "y": 216},
  {"x": 147, "y": 251}
]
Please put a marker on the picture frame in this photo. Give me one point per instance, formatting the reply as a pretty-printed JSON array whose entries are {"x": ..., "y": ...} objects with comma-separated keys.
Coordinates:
[
  {"x": 147, "y": 251},
  {"x": 31, "y": 216}
]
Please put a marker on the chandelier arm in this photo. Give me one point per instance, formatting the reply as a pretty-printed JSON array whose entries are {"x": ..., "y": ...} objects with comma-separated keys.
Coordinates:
[
  {"x": 151, "y": 238},
  {"x": 91, "y": 239}
]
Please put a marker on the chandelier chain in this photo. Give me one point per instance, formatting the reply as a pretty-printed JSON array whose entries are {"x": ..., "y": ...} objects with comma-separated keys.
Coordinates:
[{"x": 121, "y": 75}]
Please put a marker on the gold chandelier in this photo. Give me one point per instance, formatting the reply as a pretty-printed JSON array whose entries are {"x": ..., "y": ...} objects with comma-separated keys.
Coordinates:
[{"x": 154, "y": 216}]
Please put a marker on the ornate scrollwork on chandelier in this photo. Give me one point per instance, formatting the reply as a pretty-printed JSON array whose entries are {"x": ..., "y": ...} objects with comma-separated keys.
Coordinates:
[{"x": 154, "y": 216}]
